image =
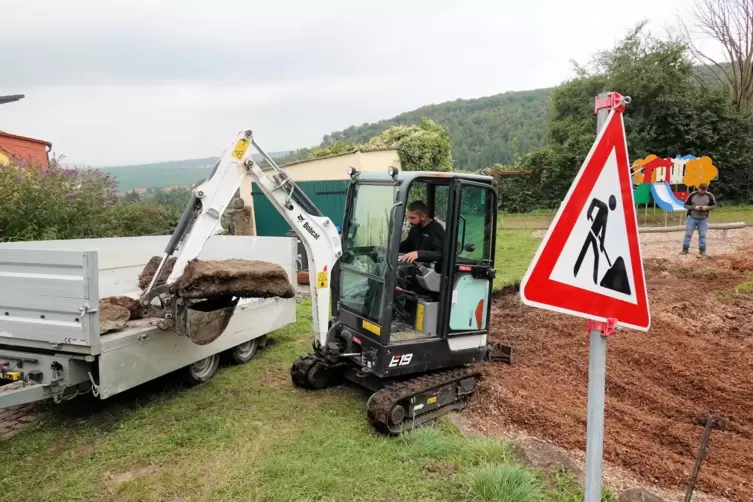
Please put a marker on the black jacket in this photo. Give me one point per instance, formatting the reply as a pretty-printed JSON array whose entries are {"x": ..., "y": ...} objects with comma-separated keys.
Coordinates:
[{"x": 428, "y": 241}]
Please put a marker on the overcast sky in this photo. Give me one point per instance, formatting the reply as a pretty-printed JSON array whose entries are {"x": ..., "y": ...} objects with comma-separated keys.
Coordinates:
[{"x": 123, "y": 82}]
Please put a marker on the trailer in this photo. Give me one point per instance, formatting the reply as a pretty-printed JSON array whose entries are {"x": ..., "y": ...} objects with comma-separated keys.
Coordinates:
[{"x": 50, "y": 342}]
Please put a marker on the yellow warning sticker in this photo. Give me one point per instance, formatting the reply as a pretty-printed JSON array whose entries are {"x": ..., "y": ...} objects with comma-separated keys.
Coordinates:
[
  {"x": 240, "y": 148},
  {"x": 322, "y": 279},
  {"x": 431, "y": 400},
  {"x": 371, "y": 327},
  {"x": 420, "y": 317}
]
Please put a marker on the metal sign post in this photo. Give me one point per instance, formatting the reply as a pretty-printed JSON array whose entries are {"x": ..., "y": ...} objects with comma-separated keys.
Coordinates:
[
  {"x": 589, "y": 263},
  {"x": 597, "y": 360},
  {"x": 597, "y": 376}
]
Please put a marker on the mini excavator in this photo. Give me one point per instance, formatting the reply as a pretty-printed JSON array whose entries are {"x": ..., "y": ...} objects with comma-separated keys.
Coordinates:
[{"x": 406, "y": 330}]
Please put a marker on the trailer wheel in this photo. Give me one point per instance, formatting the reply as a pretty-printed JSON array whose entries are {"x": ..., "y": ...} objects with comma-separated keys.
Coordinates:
[
  {"x": 243, "y": 353},
  {"x": 201, "y": 371}
]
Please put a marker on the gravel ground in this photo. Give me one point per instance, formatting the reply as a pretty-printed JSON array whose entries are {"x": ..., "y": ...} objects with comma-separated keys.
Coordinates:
[{"x": 667, "y": 245}]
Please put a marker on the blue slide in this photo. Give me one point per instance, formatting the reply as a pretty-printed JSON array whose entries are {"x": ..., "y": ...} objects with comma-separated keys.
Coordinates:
[{"x": 665, "y": 199}]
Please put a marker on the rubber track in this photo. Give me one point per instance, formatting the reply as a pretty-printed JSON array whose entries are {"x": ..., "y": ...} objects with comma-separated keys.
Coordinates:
[{"x": 381, "y": 402}]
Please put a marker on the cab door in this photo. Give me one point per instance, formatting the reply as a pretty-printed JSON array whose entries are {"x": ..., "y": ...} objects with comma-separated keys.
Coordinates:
[{"x": 470, "y": 272}]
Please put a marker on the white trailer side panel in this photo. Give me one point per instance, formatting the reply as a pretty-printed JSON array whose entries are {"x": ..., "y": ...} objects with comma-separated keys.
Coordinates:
[
  {"x": 86, "y": 270},
  {"x": 139, "y": 354}
]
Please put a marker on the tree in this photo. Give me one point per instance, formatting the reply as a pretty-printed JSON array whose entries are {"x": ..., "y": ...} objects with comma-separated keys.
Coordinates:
[
  {"x": 335, "y": 148},
  {"x": 421, "y": 147},
  {"x": 729, "y": 25},
  {"x": 132, "y": 196},
  {"x": 670, "y": 115}
]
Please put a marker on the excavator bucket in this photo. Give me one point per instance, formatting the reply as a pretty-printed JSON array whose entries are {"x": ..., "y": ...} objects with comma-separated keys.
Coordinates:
[
  {"x": 205, "y": 321},
  {"x": 207, "y": 292}
]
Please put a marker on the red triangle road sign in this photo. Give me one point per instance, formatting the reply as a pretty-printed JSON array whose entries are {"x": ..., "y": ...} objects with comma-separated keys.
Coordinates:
[{"x": 589, "y": 263}]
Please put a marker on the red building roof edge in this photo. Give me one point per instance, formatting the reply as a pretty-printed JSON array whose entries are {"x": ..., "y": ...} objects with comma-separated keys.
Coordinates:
[{"x": 26, "y": 138}]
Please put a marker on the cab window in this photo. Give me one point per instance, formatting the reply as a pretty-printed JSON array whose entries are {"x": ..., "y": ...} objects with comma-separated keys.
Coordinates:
[{"x": 475, "y": 224}]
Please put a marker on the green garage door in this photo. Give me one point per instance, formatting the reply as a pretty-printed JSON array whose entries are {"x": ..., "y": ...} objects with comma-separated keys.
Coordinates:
[{"x": 328, "y": 196}]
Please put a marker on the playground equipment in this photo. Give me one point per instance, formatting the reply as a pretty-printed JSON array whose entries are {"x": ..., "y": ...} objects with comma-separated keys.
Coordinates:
[
  {"x": 665, "y": 199},
  {"x": 653, "y": 178}
]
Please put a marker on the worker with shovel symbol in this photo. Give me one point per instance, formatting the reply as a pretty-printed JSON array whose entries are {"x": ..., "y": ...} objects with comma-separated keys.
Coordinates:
[{"x": 616, "y": 277}]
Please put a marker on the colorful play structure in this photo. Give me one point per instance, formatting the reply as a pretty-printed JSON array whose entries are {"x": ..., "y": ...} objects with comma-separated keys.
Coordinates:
[{"x": 654, "y": 177}]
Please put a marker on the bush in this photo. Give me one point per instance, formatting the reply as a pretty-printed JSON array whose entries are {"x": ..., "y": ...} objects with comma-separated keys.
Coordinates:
[{"x": 40, "y": 203}]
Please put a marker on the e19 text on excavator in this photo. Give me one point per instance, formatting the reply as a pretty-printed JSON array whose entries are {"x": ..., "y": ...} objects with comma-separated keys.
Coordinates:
[{"x": 400, "y": 300}]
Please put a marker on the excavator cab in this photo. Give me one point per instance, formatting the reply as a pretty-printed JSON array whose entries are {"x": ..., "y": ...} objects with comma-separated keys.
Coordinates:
[{"x": 417, "y": 326}]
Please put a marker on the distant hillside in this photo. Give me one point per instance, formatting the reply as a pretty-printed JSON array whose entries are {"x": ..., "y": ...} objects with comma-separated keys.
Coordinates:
[
  {"x": 483, "y": 131},
  {"x": 167, "y": 174}
]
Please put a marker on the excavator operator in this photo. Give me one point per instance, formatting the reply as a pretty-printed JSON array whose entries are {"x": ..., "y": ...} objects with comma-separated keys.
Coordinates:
[{"x": 425, "y": 243}]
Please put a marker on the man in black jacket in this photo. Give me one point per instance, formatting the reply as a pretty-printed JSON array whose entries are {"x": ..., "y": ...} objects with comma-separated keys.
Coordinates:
[{"x": 425, "y": 243}]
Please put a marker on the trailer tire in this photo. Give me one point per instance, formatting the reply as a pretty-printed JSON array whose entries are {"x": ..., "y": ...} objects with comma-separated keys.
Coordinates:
[
  {"x": 201, "y": 371},
  {"x": 243, "y": 353}
]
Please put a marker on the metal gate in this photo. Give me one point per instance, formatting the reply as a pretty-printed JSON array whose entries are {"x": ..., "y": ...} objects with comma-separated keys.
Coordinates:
[{"x": 328, "y": 196}]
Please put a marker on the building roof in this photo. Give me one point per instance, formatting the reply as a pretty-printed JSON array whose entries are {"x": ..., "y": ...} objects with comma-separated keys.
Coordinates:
[
  {"x": 25, "y": 138},
  {"x": 365, "y": 150}
]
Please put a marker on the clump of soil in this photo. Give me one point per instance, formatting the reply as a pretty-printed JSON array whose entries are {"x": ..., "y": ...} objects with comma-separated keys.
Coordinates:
[
  {"x": 135, "y": 310},
  {"x": 243, "y": 278},
  {"x": 661, "y": 385},
  {"x": 116, "y": 311},
  {"x": 112, "y": 317},
  {"x": 145, "y": 278}
]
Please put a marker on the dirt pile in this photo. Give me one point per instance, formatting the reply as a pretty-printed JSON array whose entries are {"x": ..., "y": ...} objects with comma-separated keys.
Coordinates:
[
  {"x": 243, "y": 278},
  {"x": 697, "y": 358}
]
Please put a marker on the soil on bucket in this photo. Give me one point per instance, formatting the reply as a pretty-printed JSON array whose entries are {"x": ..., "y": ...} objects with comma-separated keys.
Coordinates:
[
  {"x": 661, "y": 385},
  {"x": 242, "y": 278}
]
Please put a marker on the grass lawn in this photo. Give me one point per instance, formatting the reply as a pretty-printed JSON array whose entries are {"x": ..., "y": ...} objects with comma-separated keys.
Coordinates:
[
  {"x": 249, "y": 435},
  {"x": 515, "y": 250}
]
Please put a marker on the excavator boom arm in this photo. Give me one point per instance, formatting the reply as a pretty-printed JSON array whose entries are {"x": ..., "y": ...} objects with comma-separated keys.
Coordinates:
[{"x": 210, "y": 199}]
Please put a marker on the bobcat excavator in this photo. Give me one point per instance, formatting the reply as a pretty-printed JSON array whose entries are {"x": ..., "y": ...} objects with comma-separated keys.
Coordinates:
[{"x": 416, "y": 364}]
